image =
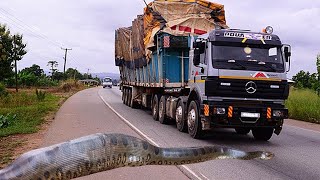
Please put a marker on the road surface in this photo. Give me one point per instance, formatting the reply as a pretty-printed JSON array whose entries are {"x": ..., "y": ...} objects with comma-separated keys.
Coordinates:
[{"x": 101, "y": 110}]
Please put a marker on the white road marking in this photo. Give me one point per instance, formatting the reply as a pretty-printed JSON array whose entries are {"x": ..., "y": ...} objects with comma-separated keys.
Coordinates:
[{"x": 145, "y": 136}]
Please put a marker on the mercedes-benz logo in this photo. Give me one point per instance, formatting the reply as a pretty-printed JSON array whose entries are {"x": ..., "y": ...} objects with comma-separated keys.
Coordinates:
[{"x": 251, "y": 87}]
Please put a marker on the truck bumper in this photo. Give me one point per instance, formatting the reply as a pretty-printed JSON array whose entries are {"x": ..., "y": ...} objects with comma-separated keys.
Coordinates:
[{"x": 250, "y": 115}]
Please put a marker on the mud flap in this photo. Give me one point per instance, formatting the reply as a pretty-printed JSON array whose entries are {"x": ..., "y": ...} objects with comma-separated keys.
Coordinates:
[
  {"x": 205, "y": 122},
  {"x": 278, "y": 130}
]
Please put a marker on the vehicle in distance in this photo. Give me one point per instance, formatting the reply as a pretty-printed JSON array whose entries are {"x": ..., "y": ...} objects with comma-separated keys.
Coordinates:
[{"x": 107, "y": 82}]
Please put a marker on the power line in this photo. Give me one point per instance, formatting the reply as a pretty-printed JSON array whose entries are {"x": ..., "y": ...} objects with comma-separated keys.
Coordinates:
[{"x": 27, "y": 27}]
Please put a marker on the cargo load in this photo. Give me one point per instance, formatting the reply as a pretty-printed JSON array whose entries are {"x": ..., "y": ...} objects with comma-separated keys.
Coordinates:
[{"x": 134, "y": 44}]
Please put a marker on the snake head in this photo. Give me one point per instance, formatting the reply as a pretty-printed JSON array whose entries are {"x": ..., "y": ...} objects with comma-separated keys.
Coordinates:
[{"x": 266, "y": 155}]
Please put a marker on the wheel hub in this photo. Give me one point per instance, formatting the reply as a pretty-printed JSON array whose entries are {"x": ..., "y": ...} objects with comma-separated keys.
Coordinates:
[
  {"x": 179, "y": 115},
  {"x": 191, "y": 119},
  {"x": 160, "y": 109}
]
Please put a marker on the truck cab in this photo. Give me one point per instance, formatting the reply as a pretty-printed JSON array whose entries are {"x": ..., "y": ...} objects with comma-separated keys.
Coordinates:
[
  {"x": 238, "y": 79},
  {"x": 107, "y": 82}
]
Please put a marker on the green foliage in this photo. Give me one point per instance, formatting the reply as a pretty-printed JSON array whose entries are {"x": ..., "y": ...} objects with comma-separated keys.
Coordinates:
[
  {"x": 3, "y": 91},
  {"x": 73, "y": 74},
  {"x": 27, "y": 79},
  {"x": 58, "y": 76},
  {"x": 306, "y": 80},
  {"x": 11, "y": 48},
  {"x": 6, "y": 120},
  {"x": 304, "y": 105},
  {"x": 34, "y": 69},
  {"x": 41, "y": 95}
]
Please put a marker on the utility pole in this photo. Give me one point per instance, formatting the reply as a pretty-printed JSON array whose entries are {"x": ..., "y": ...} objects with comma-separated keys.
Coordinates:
[
  {"x": 65, "y": 58},
  {"x": 15, "y": 62},
  {"x": 88, "y": 73}
]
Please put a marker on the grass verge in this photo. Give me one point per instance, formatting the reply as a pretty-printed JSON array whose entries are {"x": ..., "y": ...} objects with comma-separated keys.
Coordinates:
[
  {"x": 29, "y": 111},
  {"x": 304, "y": 105}
]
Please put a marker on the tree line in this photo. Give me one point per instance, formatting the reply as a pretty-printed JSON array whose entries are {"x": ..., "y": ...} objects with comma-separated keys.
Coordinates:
[
  {"x": 13, "y": 49},
  {"x": 305, "y": 79}
]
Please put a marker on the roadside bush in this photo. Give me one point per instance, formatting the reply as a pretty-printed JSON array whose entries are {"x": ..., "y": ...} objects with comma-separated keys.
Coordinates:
[
  {"x": 44, "y": 81},
  {"x": 41, "y": 95},
  {"x": 6, "y": 120},
  {"x": 3, "y": 91},
  {"x": 304, "y": 105}
]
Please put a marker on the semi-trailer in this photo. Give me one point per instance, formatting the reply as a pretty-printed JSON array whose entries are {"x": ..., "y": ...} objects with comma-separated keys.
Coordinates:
[{"x": 183, "y": 62}]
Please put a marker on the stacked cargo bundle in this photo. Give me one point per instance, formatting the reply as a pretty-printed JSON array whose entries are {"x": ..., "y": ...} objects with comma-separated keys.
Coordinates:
[{"x": 180, "y": 18}]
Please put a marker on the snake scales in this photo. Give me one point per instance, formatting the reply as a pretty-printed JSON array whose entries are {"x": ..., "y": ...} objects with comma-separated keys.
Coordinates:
[{"x": 101, "y": 152}]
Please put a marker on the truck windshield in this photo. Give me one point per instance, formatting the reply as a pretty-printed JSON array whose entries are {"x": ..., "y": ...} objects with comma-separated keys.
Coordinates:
[
  {"x": 248, "y": 57},
  {"x": 107, "y": 80}
]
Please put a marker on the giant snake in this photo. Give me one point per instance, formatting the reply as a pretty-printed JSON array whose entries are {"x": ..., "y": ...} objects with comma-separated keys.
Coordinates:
[{"x": 101, "y": 152}]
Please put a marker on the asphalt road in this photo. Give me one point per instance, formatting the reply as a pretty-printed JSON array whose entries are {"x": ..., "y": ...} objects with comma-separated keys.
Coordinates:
[
  {"x": 101, "y": 110},
  {"x": 297, "y": 149}
]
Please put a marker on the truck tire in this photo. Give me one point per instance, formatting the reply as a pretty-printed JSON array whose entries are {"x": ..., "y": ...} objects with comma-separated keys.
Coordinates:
[
  {"x": 162, "y": 110},
  {"x": 242, "y": 131},
  {"x": 127, "y": 96},
  {"x": 194, "y": 123},
  {"x": 123, "y": 96},
  {"x": 181, "y": 122},
  {"x": 130, "y": 98},
  {"x": 155, "y": 107},
  {"x": 262, "y": 134}
]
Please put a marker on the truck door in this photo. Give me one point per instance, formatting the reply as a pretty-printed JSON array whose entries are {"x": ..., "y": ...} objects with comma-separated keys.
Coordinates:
[{"x": 199, "y": 66}]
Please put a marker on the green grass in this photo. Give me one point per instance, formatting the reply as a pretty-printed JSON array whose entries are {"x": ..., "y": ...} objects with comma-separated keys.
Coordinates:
[
  {"x": 304, "y": 105},
  {"x": 29, "y": 110}
]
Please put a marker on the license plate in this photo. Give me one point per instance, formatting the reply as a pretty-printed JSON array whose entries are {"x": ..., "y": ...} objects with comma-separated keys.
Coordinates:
[{"x": 250, "y": 115}]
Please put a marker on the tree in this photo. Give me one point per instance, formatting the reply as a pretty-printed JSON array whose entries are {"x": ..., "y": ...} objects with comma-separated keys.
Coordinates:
[
  {"x": 11, "y": 48},
  {"x": 306, "y": 80},
  {"x": 34, "y": 69},
  {"x": 58, "y": 76},
  {"x": 73, "y": 74},
  {"x": 53, "y": 65}
]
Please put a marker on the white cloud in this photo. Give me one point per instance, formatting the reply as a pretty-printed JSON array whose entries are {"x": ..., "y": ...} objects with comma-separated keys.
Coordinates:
[{"x": 88, "y": 27}]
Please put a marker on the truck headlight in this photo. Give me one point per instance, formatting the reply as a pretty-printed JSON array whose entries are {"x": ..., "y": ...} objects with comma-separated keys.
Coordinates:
[
  {"x": 220, "y": 111},
  {"x": 277, "y": 113}
]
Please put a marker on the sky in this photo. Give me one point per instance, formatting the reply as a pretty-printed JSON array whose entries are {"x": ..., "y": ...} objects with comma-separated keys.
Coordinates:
[{"x": 88, "y": 28}]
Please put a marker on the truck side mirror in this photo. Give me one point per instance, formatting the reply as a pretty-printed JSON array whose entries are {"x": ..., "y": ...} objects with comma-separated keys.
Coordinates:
[
  {"x": 287, "y": 55},
  {"x": 199, "y": 48},
  {"x": 287, "y": 52},
  {"x": 196, "y": 57}
]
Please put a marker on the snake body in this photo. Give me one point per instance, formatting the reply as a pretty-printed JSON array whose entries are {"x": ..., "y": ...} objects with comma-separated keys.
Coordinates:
[{"x": 101, "y": 152}]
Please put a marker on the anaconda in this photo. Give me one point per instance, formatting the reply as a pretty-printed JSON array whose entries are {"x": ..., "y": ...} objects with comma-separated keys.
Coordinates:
[{"x": 101, "y": 152}]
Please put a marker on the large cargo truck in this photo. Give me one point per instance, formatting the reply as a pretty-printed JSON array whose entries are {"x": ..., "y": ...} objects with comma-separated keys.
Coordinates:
[{"x": 183, "y": 62}]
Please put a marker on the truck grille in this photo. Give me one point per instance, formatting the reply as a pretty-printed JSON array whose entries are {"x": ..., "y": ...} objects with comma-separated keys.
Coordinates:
[{"x": 237, "y": 88}]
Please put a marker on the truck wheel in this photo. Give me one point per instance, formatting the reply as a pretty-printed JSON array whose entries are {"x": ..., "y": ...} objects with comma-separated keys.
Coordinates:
[
  {"x": 262, "y": 134},
  {"x": 181, "y": 122},
  {"x": 162, "y": 111},
  {"x": 194, "y": 124},
  {"x": 242, "y": 131},
  {"x": 123, "y": 96},
  {"x": 127, "y": 96},
  {"x": 155, "y": 108},
  {"x": 130, "y": 98}
]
